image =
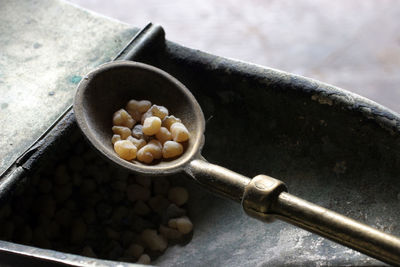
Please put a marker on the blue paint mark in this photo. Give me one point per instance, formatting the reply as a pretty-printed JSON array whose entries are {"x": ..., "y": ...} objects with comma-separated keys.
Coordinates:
[
  {"x": 37, "y": 45},
  {"x": 75, "y": 79}
]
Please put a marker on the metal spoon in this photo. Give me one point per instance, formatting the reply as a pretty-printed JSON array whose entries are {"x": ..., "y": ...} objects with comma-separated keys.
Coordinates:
[{"x": 109, "y": 87}]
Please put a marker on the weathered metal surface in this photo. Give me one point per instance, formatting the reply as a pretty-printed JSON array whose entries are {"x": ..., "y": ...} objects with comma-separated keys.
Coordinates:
[
  {"x": 46, "y": 46},
  {"x": 149, "y": 38},
  {"x": 21, "y": 255},
  {"x": 329, "y": 146}
]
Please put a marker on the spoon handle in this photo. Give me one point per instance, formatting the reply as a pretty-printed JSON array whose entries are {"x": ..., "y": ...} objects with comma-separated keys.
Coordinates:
[
  {"x": 265, "y": 198},
  {"x": 336, "y": 227}
]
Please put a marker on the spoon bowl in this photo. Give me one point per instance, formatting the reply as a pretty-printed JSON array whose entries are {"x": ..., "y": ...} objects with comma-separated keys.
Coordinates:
[{"x": 109, "y": 87}]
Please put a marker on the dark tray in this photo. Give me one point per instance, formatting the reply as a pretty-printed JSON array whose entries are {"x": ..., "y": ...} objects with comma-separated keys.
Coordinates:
[{"x": 329, "y": 146}]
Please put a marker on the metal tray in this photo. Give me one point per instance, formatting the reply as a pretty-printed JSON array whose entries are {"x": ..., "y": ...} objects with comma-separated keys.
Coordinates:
[{"x": 329, "y": 146}]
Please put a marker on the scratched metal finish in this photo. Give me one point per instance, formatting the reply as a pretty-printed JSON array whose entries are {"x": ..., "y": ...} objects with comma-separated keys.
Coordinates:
[
  {"x": 330, "y": 147},
  {"x": 46, "y": 46},
  {"x": 22, "y": 255}
]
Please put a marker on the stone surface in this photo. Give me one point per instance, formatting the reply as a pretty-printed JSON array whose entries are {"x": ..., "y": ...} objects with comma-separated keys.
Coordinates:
[{"x": 46, "y": 48}]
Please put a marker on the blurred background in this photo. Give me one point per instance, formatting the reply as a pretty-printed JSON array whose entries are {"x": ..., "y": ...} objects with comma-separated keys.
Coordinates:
[{"x": 351, "y": 44}]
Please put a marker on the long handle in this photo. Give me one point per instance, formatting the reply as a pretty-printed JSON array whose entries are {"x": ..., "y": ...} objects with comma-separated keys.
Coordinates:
[
  {"x": 338, "y": 228},
  {"x": 266, "y": 198}
]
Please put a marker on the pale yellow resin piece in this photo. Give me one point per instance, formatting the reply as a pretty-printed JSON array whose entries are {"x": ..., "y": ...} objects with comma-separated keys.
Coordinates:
[{"x": 125, "y": 149}]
